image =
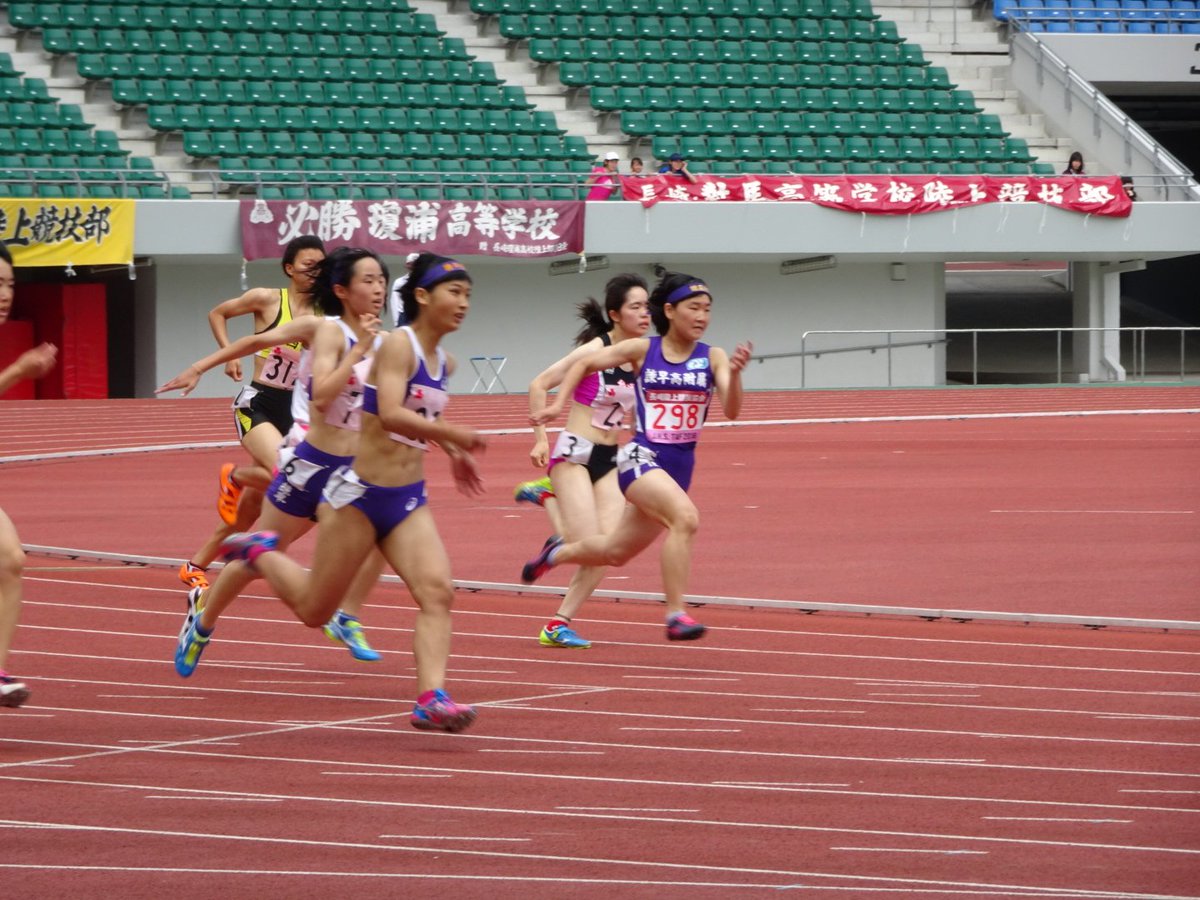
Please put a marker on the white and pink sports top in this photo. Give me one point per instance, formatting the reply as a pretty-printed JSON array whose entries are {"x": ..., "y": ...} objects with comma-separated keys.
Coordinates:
[{"x": 610, "y": 393}]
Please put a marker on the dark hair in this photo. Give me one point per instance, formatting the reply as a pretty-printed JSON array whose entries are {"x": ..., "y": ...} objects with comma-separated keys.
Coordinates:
[
  {"x": 422, "y": 277},
  {"x": 338, "y": 269},
  {"x": 636, "y": 159},
  {"x": 599, "y": 321},
  {"x": 4, "y": 254},
  {"x": 667, "y": 285},
  {"x": 296, "y": 244},
  {"x": 1074, "y": 156}
]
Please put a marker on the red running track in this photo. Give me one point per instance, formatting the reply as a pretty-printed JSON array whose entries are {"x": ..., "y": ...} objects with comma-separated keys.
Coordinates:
[{"x": 842, "y": 755}]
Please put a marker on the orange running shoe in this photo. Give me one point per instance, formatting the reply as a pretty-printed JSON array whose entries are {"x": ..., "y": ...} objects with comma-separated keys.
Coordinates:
[
  {"x": 227, "y": 499},
  {"x": 193, "y": 576}
]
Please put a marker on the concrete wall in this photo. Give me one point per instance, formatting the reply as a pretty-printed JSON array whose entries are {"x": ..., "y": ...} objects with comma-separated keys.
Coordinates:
[{"x": 521, "y": 312}]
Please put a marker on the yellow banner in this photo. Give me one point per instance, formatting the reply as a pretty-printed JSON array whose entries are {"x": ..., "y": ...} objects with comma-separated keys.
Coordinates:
[{"x": 55, "y": 232}]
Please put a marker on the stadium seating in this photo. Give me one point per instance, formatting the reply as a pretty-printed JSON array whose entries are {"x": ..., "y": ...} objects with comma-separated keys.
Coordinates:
[{"x": 1103, "y": 16}]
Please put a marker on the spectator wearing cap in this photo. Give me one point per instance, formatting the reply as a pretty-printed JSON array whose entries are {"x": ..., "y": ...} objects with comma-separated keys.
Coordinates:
[
  {"x": 395, "y": 304},
  {"x": 604, "y": 180},
  {"x": 678, "y": 167}
]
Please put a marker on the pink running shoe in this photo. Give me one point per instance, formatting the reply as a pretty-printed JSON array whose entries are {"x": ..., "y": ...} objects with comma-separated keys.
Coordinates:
[
  {"x": 682, "y": 627},
  {"x": 247, "y": 546},
  {"x": 540, "y": 564},
  {"x": 442, "y": 714}
]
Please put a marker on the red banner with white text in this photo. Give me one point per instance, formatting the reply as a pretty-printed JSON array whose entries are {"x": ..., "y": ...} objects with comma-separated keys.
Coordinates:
[
  {"x": 517, "y": 228},
  {"x": 889, "y": 194}
]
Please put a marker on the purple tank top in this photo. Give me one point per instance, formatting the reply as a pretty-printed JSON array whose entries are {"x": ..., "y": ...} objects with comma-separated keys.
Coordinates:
[{"x": 673, "y": 398}]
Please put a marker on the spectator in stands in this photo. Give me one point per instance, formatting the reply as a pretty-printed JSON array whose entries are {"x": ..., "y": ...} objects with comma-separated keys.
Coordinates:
[
  {"x": 676, "y": 165},
  {"x": 1075, "y": 164},
  {"x": 1127, "y": 184},
  {"x": 395, "y": 304},
  {"x": 604, "y": 180},
  {"x": 637, "y": 167}
]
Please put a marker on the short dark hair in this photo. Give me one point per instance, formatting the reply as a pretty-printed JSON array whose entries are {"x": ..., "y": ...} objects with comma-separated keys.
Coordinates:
[
  {"x": 420, "y": 277},
  {"x": 338, "y": 268},
  {"x": 4, "y": 254},
  {"x": 296, "y": 244},
  {"x": 599, "y": 321}
]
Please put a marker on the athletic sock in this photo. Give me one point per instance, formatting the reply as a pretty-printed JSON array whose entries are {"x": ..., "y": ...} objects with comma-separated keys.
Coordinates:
[
  {"x": 557, "y": 622},
  {"x": 201, "y": 630}
]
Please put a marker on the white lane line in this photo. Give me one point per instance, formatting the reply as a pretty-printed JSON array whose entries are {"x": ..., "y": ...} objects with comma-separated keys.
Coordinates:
[
  {"x": 675, "y": 677},
  {"x": 1152, "y": 791},
  {"x": 277, "y": 681},
  {"x": 628, "y": 809},
  {"x": 438, "y": 837},
  {"x": 148, "y": 697},
  {"x": 385, "y": 775},
  {"x": 545, "y": 752},
  {"x": 1048, "y": 819},
  {"x": 912, "y": 850},
  {"x": 826, "y": 712},
  {"x": 188, "y": 799},
  {"x": 1102, "y": 512},
  {"x": 685, "y": 730},
  {"x": 820, "y": 784},
  {"x": 921, "y": 694}
]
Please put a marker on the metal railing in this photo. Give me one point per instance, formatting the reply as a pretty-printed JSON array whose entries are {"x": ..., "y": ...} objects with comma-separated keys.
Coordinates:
[{"x": 1138, "y": 350}]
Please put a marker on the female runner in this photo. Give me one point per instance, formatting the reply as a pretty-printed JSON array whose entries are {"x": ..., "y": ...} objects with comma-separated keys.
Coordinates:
[
  {"x": 676, "y": 376},
  {"x": 380, "y": 499},
  {"x": 583, "y": 468},
  {"x": 31, "y": 364},
  {"x": 350, "y": 284}
]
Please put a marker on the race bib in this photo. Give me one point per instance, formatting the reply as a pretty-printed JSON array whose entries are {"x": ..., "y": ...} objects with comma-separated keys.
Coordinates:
[
  {"x": 298, "y": 471},
  {"x": 612, "y": 402},
  {"x": 245, "y": 397},
  {"x": 634, "y": 456},
  {"x": 675, "y": 417},
  {"x": 573, "y": 448},
  {"x": 281, "y": 368},
  {"x": 343, "y": 488}
]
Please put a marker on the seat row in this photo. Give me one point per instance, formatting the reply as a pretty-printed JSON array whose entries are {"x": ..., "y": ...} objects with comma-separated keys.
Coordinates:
[
  {"x": 186, "y": 17},
  {"x": 132, "y": 13},
  {"x": 148, "y": 91},
  {"x": 576, "y": 75},
  {"x": 548, "y": 50},
  {"x": 250, "y": 43},
  {"x": 19, "y": 185},
  {"x": 1103, "y": 10},
  {"x": 59, "y": 141},
  {"x": 819, "y": 124},
  {"x": 819, "y": 9},
  {"x": 519, "y": 28},
  {"x": 609, "y": 99},
  {"x": 1115, "y": 26},
  {"x": 19, "y": 113},
  {"x": 239, "y": 68},
  {"x": 340, "y": 144},
  {"x": 221, "y": 117},
  {"x": 854, "y": 147}
]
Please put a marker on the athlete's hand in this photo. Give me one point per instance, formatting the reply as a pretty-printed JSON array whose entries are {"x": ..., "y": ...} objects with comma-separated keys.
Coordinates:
[
  {"x": 185, "y": 382},
  {"x": 465, "y": 470},
  {"x": 547, "y": 415},
  {"x": 466, "y": 439},
  {"x": 540, "y": 454},
  {"x": 371, "y": 324},
  {"x": 37, "y": 362},
  {"x": 233, "y": 369},
  {"x": 741, "y": 357}
]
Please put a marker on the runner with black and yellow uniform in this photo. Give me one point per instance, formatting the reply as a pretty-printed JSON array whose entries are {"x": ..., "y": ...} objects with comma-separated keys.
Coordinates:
[{"x": 262, "y": 409}]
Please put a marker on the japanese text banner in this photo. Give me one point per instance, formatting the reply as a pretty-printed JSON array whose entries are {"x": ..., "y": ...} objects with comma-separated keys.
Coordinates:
[
  {"x": 61, "y": 232},
  {"x": 397, "y": 227},
  {"x": 891, "y": 194}
]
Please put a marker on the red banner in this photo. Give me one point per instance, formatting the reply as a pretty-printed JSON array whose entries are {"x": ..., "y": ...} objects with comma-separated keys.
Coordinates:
[
  {"x": 890, "y": 194},
  {"x": 520, "y": 228}
]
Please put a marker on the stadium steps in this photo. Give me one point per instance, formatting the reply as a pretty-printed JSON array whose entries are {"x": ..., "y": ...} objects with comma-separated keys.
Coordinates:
[{"x": 978, "y": 62}]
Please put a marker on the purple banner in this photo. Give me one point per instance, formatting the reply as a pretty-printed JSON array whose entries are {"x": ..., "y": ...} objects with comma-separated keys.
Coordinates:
[{"x": 517, "y": 228}]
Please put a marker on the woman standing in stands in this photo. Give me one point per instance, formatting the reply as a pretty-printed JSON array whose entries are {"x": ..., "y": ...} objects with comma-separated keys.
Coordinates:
[
  {"x": 676, "y": 377},
  {"x": 583, "y": 467},
  {"x": 339, "y": 349},
  {"x": 1074, "y": 164},
  {"x": 380, "y": 500},
  {"x": 31, "y": 364},
  {"x": 262, "y": 409}
]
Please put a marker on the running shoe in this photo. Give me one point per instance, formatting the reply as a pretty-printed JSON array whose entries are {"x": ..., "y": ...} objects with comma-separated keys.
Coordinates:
[
  {"x": 228, "y": 496},
  {"x": 12, "y": 691},
  {"x": 534, "y": 492},
  {"x": 195, "y": 603},
  {"x": 682, "y": 627},
  {"x": 348, "y": 630},
  {"x": 187, "y": 651},
  {"x": 540, "y": 564},
  {"x": 442, "y": 714},
  {"x": 562, "y": 636},
  {"x": 193, "y": 576},
  {"x": 247, "y": 546}
]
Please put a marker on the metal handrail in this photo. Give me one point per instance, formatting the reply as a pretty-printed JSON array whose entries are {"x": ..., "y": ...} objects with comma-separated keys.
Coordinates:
[{"x": 1138, "y": 347}]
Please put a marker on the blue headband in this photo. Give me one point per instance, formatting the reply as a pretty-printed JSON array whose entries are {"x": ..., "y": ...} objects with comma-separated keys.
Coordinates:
[
  {"x": 440, "y": 272},
  {"x": 688, "y": 290}
]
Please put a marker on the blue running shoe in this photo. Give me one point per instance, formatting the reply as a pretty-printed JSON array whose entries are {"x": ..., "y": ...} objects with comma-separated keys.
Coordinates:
[
  {"x": 534, "y": 492},
  {"x": 348, "y": 630},
  {"x": 187, "y": 653},
  {"x": 13, "y": 691},
  {"x": 195, "y": 603},
  {"x": 247, "y": 546},
  {"x": 682, "y": 627},
  {"x": 442, "y": 714},
  {"x": 562, "y": 636},
  {"x": 540, "y": 564}
]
